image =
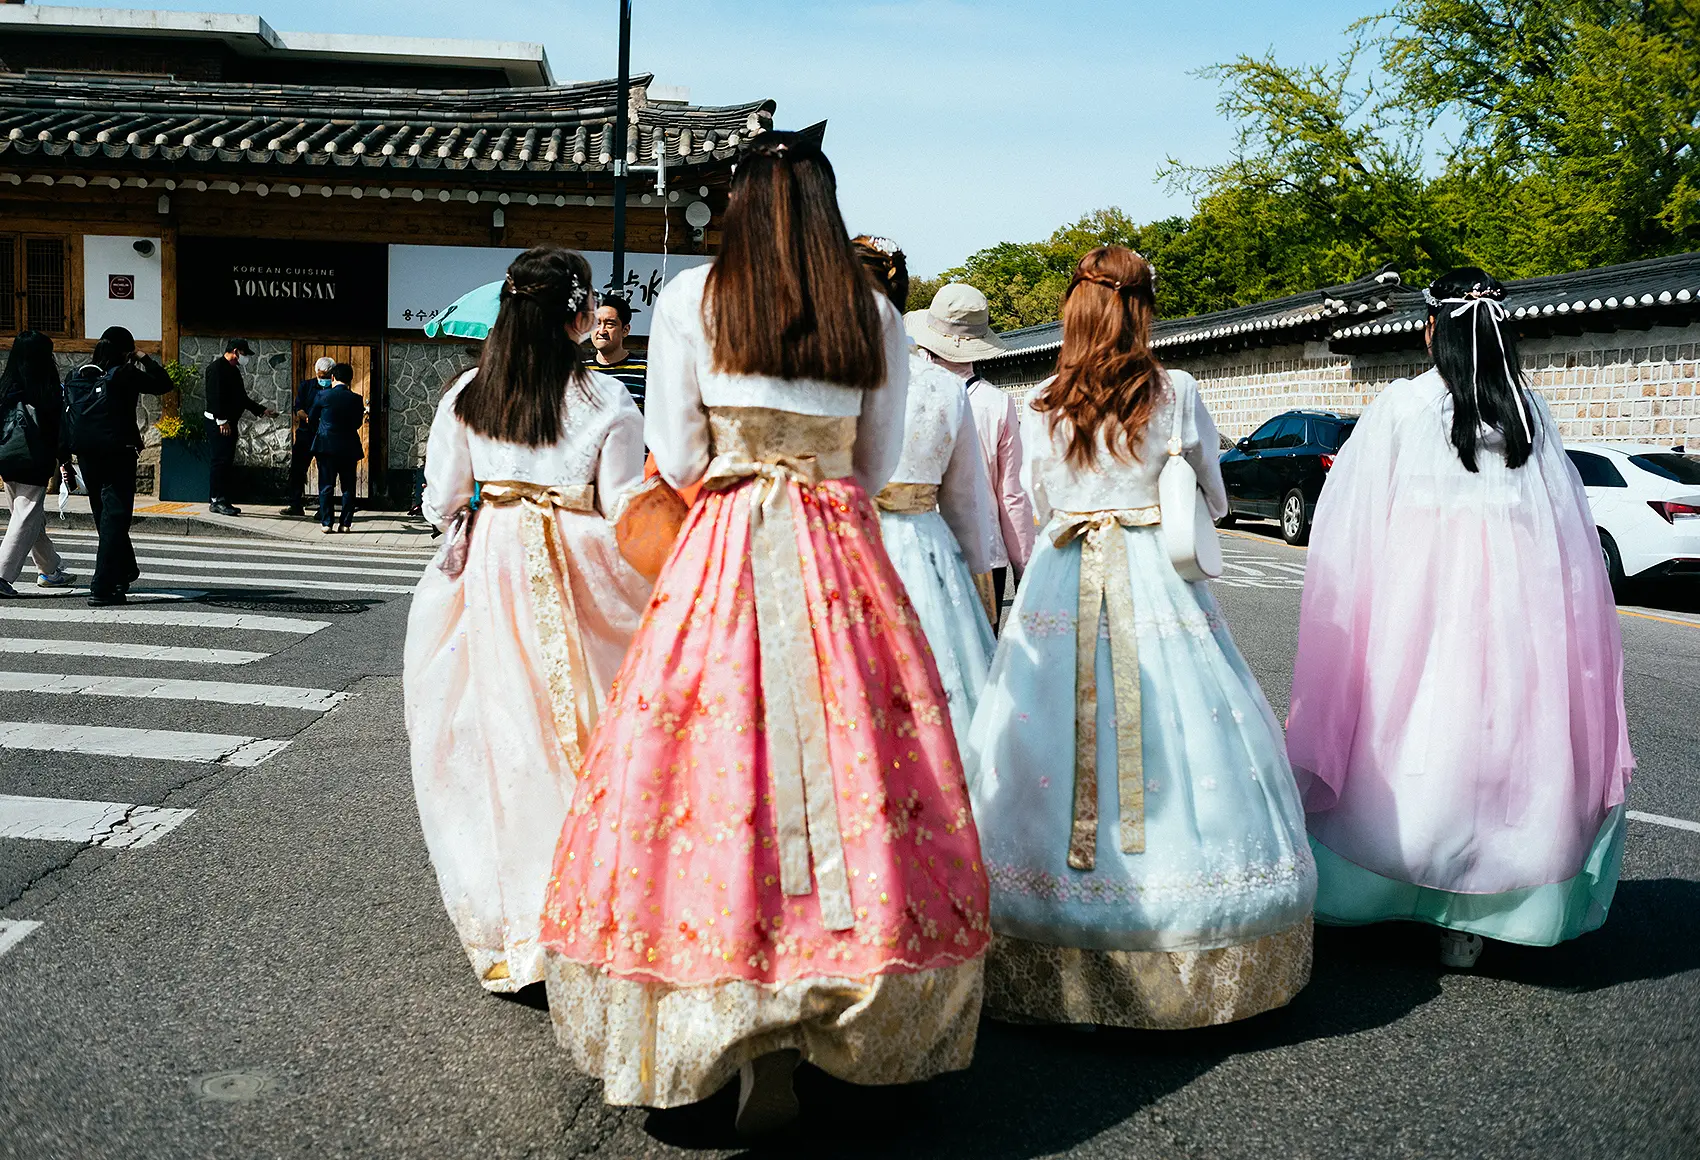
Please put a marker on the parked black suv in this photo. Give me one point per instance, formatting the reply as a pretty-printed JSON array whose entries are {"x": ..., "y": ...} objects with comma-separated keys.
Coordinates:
[{"x": 1278, "y": 472}]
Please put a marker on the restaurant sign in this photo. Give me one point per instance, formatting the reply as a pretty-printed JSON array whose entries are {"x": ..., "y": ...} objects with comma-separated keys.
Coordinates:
[{"x": 243, "y": 284}]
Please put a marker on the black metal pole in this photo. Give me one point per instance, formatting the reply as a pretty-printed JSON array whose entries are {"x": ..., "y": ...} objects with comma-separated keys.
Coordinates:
[{"x": 621, "y": 128}]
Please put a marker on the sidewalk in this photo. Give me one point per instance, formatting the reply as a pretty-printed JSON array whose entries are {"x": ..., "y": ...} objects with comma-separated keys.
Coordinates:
[{"x": 371, "y": 529}]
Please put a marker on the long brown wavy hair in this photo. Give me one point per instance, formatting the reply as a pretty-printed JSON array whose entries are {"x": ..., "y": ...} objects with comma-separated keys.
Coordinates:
[
  {"x": 787, "y": 296},
  {"x": 1108, "y": 381}
]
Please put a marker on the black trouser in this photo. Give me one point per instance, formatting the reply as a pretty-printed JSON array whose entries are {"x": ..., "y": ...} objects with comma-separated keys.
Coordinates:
[
  {"x": 111, "y": 481},
  {"x": 223, "y": 459},
  {"x": 334, "y": 470},
  {"x": 300, "y": 455},
  {"x": 998, "y": 577}
]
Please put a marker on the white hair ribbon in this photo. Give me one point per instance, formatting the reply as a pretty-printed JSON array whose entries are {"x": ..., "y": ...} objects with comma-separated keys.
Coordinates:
[{"x": 1472, "y": 303}]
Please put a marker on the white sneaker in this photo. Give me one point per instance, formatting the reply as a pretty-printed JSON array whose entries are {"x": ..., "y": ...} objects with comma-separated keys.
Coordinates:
[
  {"x": 1460, "y": 950},
  {"x": 59, "y": 579}
]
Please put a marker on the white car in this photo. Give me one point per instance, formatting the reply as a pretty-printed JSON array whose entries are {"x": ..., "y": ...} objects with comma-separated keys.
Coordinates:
[{"x": 1646, "y": 504}]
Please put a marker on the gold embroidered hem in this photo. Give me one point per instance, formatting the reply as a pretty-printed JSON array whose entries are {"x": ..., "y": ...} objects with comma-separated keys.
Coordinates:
[
  {"x": 908, "y": 499},
  {"x": 1164, "y": 990},
  {"x": 658, "y": 1046}
]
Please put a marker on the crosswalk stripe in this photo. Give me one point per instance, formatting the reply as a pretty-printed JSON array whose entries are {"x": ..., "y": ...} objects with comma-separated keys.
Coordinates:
[
  {"x": 154, "y": 744},
  {"x": 252, "y": 566},
  {"x": 278, "y": 547},
  {"x": 1661, "y": 820},
  {"x": 163, "y": 617},
  {"x": 40, "y": 646},
  {"x": 158, "y": 688},
  {"x": 14, "y": 931},
  {"x": 112, "y": 824},
  {"x": 269, "y": 552},
  {"x": 320, "y": 583}
]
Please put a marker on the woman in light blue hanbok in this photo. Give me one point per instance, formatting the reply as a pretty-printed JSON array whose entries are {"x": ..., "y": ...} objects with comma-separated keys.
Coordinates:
[
  {"x": 1140, "y": 825},
  {"x": 937, "y": 515}
]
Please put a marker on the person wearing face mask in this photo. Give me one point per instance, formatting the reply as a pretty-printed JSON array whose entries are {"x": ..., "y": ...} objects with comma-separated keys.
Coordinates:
[
  {"x": 335, "y": 421},
  {"x": 226, "y": 400},
  {"x": 301, "y": 450}
]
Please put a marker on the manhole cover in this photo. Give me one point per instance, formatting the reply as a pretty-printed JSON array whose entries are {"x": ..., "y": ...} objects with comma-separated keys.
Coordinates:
[
  {"x": 233, "y": 1087},
  {"x": 285, "y": 604}
]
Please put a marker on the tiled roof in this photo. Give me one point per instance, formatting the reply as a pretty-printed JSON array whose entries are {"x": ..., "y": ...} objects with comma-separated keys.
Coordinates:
[
  {"x": 553, "y": 129},
  {"x": 1599, "y": 299}
]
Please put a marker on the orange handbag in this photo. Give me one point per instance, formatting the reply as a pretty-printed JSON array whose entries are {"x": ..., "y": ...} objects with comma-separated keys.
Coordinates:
[{"x": 649, "y": 524}]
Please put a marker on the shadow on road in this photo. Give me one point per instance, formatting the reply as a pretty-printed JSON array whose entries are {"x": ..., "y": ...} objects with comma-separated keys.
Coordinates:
[
  {"x": 1037, "y": 1091},
  {"x": 1653, "y": 932}
]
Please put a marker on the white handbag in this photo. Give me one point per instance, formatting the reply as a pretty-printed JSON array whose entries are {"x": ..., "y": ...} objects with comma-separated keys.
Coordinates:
[{"x": 1189, "y": 533}]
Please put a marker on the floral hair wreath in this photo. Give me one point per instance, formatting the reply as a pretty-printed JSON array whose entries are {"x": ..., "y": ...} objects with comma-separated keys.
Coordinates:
[
  {"x": 575, "y": 291},
  {"x": 1475, "y": 293}
]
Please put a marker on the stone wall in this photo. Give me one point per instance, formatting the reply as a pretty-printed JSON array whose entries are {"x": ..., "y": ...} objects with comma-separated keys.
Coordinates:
[
  {"x": 419, "y": 372},
  {"x": 1639, "y": 385},
  {"x": 263, "y": 444}
]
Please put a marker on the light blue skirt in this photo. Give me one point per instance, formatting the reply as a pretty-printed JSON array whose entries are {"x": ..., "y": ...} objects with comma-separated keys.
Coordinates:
[
  {"x": 1226, "y": 860},
  {"x": 927, "y": 559}
]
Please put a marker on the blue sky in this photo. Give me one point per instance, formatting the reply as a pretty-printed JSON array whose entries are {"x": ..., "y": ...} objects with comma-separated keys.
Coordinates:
[{"x": 952, "y": 125}]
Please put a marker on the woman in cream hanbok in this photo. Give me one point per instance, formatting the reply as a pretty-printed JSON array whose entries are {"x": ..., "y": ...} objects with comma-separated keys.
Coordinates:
[
  {"x": 770, "y": 855},
  {"x": 937, "y": 514},
  {"x": 1457, "y": 724},
  {"x": 1141, "y": 828},
  {"x": 517, "y": 631}
]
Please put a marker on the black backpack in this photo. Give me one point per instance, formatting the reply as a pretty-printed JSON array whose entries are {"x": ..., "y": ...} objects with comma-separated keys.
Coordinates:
[
  {"x": 97, "y": 423},
  {"x": 24, "y": 453}
]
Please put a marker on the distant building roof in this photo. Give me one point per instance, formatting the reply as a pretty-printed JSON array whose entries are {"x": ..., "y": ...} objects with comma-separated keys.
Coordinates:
[
  {"x": 251, "y": 37},
  {"x": 90, "y": 120}
]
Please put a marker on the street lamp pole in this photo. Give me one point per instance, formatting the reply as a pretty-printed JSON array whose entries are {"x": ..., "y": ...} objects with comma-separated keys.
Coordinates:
[{"x": 621, "y": 128}]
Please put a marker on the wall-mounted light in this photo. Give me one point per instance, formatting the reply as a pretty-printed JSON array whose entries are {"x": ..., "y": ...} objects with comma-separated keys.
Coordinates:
[
  {"x": 165, "y": 203},
  {"x": 498, "y": 219}
]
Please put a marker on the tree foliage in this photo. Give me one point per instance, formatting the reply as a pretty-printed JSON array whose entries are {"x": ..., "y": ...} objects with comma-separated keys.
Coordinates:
[{"x": 1578, "y": 145}]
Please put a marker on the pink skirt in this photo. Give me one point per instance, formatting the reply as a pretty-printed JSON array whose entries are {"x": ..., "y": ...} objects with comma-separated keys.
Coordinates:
[{"x": 675, "y": 954}]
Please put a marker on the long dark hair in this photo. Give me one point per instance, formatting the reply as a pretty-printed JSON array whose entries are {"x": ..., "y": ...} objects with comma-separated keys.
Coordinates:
[
  {"x": 1476, "y": 355},
  {"x": 29, "y": 367},
  {"x": 885, "y": 261},
  {"x": 116, "y": 344},
  {"x": 1108, "y": 381},
  {"x": 787, "y": 297},
  {"x": 529, "y": 359}
]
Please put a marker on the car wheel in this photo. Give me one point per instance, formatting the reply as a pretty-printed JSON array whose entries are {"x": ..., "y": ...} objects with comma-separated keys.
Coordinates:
[
  {"x": 1295, "y": 528},
  {"x": 1614, "y": 564},
  {"x": 1226, "y": 521}
]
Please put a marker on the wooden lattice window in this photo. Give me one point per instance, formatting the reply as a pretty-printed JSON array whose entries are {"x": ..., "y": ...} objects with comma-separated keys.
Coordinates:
[{"x": 35, "y": 285}]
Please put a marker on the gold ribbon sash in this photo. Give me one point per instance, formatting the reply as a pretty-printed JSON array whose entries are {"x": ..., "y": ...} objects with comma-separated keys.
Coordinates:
[
  {"x": 552, "y": 597},
  {"x": 908, "y": 499},
  {"x": 1104, "y": 582},
  {"x": 776, "y": 449}
]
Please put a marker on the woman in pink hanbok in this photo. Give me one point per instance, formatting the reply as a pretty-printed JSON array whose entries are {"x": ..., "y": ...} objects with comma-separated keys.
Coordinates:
[
  {"x": 1457, "y": 721},
  {"x": 770, "y": 855},
  {"x": 517, "y": 631}
]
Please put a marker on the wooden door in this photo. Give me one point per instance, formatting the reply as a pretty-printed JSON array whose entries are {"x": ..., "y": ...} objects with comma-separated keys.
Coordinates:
[{"x": 364, "y": 360}]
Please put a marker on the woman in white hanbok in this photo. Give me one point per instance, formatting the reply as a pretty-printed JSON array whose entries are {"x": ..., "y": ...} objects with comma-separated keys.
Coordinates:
[
  {"x": 518, "y": 630},
  {"x": 937, "y": 515},
  {"x": 1141, "y": 828}
]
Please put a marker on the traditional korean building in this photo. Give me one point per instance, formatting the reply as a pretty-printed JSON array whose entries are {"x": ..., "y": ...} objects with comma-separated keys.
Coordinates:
[
  {"x": 1615, "y": 350},
  {"x": 196, "y": 177}
]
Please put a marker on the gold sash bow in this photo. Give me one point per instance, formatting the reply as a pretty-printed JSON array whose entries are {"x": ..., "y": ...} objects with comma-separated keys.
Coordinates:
[
  {"x": 908, "y": 499},
  {"x": 748, "y": 442},
  {"x": 1104, "y": 581},
  {"x": 557, "y": 616}
]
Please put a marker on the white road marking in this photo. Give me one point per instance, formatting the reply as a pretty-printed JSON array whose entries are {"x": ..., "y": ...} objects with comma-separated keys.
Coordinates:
[
  {"x": 162, "y": 594},
  {"x": 113, "y": 824},
  {"x": 14, "y": 931},
  {"x": 1661, "y": 820},
  {"x": 256, "y": 566},
  {"x": 42, "y": 646},
  {"x": 319, "y": 584},
  {"x": 152, "y": 744},
  {"x": 166, "y": 617},
  {"x": 282, "y": 548},
  {"x": 269, "y": 550},
  {"x": 219, "y": 692}
]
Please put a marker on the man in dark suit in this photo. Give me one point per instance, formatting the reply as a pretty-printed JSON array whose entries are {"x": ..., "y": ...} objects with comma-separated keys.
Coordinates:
[
  {"x": 226, "y": 400},
  {"x": 301, "y": 449},
  {"x": 335, "y": 418}
]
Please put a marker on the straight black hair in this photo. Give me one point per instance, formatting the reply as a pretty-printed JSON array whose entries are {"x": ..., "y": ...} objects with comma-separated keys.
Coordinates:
[
  {"x": 116, "y": 344},
  {"x": 1476, "y": 355},
  {"x": 30, "y": 366},
  {"x": 342, "y": 373},
  {"x": 530, "y": 360}
]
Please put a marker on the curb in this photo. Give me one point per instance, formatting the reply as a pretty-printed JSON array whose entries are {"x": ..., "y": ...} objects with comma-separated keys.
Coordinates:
[{"x": 170, "y": 525}]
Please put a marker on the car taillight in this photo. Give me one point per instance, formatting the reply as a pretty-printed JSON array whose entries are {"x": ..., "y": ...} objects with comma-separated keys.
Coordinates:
[
  {"x": 1671, "y": 512},
  {"x": 1327, "y": 461}
]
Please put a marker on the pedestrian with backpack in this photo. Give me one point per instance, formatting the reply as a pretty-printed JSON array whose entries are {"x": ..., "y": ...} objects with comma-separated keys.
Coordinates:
[
  {"x": 30, "y": 404},
  {"x": 227, "y": 399},
  {"x": 100, "y": 428}
]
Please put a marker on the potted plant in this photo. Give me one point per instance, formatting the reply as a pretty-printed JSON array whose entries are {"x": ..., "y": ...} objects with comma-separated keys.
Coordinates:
[{"x": 184, "y": 458}]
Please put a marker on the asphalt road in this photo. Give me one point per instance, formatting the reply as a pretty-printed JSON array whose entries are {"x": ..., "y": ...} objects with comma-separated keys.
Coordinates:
[{"x": 274, "y": 976}]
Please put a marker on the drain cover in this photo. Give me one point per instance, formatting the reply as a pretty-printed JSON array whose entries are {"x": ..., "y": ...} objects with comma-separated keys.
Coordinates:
[{"x": 233, "y": 1087}]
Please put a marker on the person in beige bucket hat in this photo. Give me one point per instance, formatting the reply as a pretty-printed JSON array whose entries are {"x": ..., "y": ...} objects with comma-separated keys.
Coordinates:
[{"x": 955, "y": 332}]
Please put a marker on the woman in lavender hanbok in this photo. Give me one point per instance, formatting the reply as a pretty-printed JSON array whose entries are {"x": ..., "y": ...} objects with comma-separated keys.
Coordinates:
[
  {"x": 1141, "y": 829},
  {"x": 1457, "y": 720},
  {"x": 516, "y": 634},
  {"x": 937, "y": 515}
]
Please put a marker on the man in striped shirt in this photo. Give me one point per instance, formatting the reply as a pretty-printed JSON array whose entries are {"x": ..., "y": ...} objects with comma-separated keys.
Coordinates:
[{"x": 613, "y": 324}]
